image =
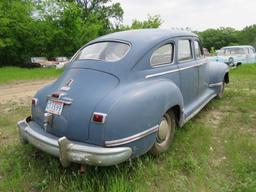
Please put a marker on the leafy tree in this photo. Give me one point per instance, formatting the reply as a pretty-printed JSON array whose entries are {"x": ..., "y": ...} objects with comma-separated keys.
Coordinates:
[
  {"x": 217, "y": 38},
  {"x": 248, "y": 35},
  {"x": 15, "y": 34},
  {"x": 51, "y": 28},
  {"x": 76, "y": 22},
  {"x": 59, "y": 27},
  {"x": 154, "y": 21}
]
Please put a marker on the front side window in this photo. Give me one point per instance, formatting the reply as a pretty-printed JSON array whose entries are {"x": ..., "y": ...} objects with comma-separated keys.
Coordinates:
[
  {"x": 198, "y": 50},
  {"x": 105, "y": 51},
  {"x": 184, "y": 50},
  {"x": 162, "y": 55}
]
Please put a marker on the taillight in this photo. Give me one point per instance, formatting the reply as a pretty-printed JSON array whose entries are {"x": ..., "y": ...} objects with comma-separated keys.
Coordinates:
[
  {"x": 99, "y": 117},
  {"x": 34, "y": 101}
]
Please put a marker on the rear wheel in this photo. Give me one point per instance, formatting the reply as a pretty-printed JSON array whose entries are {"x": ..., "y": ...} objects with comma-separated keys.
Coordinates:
[{"x": 165, "y": 134}]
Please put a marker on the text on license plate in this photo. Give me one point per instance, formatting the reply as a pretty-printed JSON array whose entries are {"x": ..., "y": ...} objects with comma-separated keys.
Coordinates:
[{"x": 54, "y": 107}]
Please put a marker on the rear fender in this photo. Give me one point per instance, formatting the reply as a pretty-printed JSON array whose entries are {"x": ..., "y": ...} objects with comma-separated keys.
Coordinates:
[{"x": 140, "y": 109}]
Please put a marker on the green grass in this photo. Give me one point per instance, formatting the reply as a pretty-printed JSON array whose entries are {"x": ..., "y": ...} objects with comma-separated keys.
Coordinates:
[
  {"x": 10, "y": 74},
  {"x": 215, "y": 151}
]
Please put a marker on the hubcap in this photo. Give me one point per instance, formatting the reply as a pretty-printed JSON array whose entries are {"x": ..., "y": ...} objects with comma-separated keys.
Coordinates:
[{"x": 163, "y": 130}]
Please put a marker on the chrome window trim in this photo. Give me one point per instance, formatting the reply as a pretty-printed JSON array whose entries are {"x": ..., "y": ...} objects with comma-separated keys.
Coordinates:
[
  {"x": 170, "y": 71},
  {"x": 132, "y": 138}
]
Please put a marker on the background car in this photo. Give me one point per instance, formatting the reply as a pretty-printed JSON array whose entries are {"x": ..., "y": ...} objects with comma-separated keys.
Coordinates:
[
  {"x": 123, "y": 95},
  {"x": 62, "y": 61},
  {"x": 235, "y": 55},
  {"x": 39, "y": 62}
]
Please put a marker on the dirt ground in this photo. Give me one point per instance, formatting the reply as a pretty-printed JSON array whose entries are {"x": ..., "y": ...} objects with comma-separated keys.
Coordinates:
[{"x": 21, "y": 92}]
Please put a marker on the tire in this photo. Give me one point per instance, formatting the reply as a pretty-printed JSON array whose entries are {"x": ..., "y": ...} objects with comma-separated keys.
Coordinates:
[
  {"x": 221, "y": 92},
  {"x": 165, "y": 134},
  {"x": 231, "y": 61}
]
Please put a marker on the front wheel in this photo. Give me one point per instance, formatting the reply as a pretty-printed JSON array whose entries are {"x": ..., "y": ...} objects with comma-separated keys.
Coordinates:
[{"x": 165, "y": 134}]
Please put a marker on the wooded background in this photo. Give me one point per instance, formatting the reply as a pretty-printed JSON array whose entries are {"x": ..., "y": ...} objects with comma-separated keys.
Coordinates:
[{"x": 60, "y": 27}]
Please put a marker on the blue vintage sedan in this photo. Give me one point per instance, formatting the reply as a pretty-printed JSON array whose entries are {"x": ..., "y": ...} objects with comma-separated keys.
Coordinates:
[{"x": 122, "y": 95}]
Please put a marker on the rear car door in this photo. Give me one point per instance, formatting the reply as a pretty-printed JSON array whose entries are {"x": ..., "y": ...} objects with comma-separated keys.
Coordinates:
[
  {"x": 162, "y": 63},
  {"x": 188, "y": 71}
]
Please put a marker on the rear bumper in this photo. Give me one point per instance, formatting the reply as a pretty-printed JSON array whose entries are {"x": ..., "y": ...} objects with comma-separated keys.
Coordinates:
[{"x": 69, "y": 151}]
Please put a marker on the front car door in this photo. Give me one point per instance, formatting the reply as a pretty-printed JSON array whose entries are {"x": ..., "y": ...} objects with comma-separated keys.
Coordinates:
[
  {"x": 203, "y": 77},
  {"x": 188, "y": 71}
]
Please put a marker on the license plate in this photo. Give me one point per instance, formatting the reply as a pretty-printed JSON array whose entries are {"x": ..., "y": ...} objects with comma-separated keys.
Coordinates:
[{"x": 54, "y": 107}]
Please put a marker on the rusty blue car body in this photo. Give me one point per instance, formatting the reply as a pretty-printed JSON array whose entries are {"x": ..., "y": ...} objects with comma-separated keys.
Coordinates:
[{"x": 108, "y": 104}]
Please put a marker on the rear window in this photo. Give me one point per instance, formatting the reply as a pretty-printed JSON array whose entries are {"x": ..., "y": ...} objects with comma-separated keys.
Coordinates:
[{"x": 105, "y": 51}]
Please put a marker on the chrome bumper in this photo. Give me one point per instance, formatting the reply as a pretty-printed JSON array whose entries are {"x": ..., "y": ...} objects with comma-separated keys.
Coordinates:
[{"x": 69, "y": 151}]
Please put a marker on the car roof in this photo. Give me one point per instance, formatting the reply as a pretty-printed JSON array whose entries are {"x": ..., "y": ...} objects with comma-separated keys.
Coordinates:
[
  {"x": 141, "y": 41},
  {"x": 237, "y": 46},
  {"x": 145, "y": 36}
]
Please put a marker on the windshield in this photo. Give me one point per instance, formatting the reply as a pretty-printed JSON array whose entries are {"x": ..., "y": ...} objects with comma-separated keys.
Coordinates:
[
  {"x": 231, "y": 51},
  {"x": 105, "y": 51}
]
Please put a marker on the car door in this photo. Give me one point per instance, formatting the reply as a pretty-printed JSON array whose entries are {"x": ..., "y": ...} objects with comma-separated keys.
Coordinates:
[
  {"x": 203, "y": 76},
  {"x": 188, "y": 72},
  {"x": 162, "y": 62}
]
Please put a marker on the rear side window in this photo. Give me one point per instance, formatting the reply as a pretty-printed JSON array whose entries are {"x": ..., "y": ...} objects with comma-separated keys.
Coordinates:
[
  {"x": 163, "y": 55},
  {"x": 105, "y": 51},
  {"x": 198, "y": 50},
  {"x": 184, "y": 50}
]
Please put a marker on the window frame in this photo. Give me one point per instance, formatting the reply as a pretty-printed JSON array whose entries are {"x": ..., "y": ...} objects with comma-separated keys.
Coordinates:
[
  {"x": 74, "y": 58},
  {"x": 201, "y": 49},
  {"x": 172, "y": 43},
  {"x": 191, "y": 49}
]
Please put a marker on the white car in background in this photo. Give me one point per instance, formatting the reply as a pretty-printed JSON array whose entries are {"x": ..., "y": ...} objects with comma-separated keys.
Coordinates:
[
  {"x": 235, "y": 55},
  {"x": 62, "y": 61}
]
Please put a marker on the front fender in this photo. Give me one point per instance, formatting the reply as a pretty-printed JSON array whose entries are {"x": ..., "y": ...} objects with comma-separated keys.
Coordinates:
[
  {"x": 140, "y": 108},
  {"x": 217, "y": 71}
]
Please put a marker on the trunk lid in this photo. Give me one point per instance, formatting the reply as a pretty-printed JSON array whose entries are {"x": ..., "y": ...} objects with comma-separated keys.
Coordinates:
[{"x": 84, "y": 88}]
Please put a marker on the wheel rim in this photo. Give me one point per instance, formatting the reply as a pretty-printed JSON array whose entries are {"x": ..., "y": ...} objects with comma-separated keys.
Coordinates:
[{"x": 163, "y": 131}]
